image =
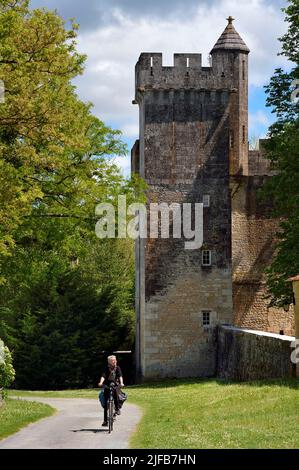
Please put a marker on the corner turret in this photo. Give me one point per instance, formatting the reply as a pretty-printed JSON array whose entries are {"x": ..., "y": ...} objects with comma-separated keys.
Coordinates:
[
  {"x": 230, "y": 61},
  {"x": 230, "y": 39}
]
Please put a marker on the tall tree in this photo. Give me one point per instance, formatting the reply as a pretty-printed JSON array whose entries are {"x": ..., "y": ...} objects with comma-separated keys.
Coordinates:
[
  {"x": 48, "y": 137},
  {"x": 283, "y": 150},
  {"x": 65, "y": 295}
]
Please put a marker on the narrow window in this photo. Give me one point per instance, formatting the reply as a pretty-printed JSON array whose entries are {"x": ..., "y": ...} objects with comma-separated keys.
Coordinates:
[
  {"x": 152, "y": 66},
  {"x": 243, "y": 69},
  {"x": 243, "y": 134},
  {"x": 231, "y": 139},
  {"x": 206, "y": 317},
  {"x": 206, "y": 259},
  {"x": 206, "y": 200},
  {"x": 187, "y": 62}
]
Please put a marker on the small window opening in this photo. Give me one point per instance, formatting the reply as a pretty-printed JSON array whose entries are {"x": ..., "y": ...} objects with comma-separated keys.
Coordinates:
[
  {"x": 206, "y": 200},
  {"x": 206, "y": 258},
  {"x": 206, "y": 317}
]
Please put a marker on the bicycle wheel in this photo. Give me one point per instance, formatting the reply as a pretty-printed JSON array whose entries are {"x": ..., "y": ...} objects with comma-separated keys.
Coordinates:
[{"x": 110, "y": 415}]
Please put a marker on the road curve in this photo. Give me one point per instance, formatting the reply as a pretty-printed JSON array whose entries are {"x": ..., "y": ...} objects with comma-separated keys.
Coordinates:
[{"x": 76, "y": 425}]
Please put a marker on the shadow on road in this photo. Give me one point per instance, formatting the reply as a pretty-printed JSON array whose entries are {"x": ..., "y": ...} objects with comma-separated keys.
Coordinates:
[{"x": 89, "y": 430}]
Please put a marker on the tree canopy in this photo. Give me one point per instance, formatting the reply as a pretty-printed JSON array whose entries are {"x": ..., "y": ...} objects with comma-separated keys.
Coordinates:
[
  {"x": 64, "y": 294},
  {"x": 283, "y": 150},
  {"x": 50, "y": 143}
]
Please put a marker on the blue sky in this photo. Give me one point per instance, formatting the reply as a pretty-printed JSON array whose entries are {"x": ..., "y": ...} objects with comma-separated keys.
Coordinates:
[{"x": 114, "y": 32}]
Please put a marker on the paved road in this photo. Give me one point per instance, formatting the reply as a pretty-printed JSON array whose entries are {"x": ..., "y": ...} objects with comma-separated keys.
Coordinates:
[{"x": 76, "y": 425}]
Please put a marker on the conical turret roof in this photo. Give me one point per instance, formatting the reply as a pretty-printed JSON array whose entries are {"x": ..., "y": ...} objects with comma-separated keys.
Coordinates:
[{"x": 230, "y": 39}]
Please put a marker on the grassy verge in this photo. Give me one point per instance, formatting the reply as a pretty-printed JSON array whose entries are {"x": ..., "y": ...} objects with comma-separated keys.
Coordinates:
[
  {"x": 210, "y": 413},
  {"x": 214, "y": 414},
  {"x": 15, "y": 414}
]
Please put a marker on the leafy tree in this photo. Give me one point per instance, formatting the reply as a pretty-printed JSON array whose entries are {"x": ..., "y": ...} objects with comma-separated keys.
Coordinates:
[
  {"x": 51, "y": 146},
  {"x": 68, "y": 296},
  {"x": 58, "y": 315},
  {"x": 283, "y": 150},
  {"x": 65, "y": 295}
]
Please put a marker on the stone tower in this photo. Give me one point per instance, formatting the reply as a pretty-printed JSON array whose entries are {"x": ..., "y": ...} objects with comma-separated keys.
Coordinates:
[
  {"x": 230, "y": 61},
  {"x": 193, "y": 137}
]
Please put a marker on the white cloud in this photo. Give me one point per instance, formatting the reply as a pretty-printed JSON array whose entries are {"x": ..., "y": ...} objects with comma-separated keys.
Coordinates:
[
  {"x": 259, "y": 123},
  {"x": 259, "y": 118},
  {"x": 113, "y": 51},
  {"x": 130, "y": 129},
  {"x": 124, "y": 163}
]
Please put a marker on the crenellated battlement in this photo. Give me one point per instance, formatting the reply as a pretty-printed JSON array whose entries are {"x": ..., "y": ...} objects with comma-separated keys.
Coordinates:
[
  {"x": 183, "y": 61},
  {"x": 187, "y": 72}
]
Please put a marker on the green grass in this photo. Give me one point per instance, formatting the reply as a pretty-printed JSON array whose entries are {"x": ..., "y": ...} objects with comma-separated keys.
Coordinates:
[
  {"x": 214, "y": 414},
  {"x": 15, "y": 414},
  {"x": 210, "y": 413}
]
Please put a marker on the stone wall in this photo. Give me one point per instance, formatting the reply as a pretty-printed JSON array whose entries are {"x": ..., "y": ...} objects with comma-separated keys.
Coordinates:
[
  {"x": 258, "y": 164},
  {"x": 253, "y": 355},
  {"x": 227, "y": 76},
  {"x": 253, "y": 240}
]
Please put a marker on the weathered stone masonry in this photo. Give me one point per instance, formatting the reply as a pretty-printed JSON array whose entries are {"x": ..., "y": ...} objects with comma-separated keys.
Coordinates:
[
  {"x": 193, "y": 142},
  {"x": 251, "y": 355},
  {"x": 253, "y": 236}
]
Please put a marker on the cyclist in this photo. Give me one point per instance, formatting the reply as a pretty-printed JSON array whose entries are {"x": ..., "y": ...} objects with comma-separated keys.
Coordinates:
[{"x": 112, "y": 373}]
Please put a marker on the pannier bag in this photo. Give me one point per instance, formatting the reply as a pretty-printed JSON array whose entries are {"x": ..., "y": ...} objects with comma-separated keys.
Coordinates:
[
  {"x": 102, "y": 398},
  {"x": 122, "y": 397}
]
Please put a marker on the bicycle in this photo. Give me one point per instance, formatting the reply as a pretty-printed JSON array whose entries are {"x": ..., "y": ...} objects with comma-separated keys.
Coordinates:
[{"x": 110, "y": 406}]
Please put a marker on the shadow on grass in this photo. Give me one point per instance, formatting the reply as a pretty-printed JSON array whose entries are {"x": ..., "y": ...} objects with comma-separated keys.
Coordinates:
[{"x": 291, "y": 383}]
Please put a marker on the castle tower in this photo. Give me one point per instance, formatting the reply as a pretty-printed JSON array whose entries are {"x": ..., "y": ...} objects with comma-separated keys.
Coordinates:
[
  {"x": 191, "y": 125},
  {"x": 230, "y": 59}
]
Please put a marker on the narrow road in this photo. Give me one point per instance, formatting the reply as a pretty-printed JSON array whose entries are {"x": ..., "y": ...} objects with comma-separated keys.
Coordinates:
[{"x": 76, "y": 425}]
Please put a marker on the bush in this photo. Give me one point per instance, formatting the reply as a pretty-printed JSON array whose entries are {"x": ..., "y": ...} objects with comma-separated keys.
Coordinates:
[{"x": 7, "y": 372}]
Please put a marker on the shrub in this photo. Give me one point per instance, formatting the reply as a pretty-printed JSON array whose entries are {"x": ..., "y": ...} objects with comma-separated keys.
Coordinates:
[{"x": 7, "y": 372}]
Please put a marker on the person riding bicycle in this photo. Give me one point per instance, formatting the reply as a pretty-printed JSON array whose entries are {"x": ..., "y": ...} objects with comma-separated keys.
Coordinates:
[{"x": 112, "y": 374}]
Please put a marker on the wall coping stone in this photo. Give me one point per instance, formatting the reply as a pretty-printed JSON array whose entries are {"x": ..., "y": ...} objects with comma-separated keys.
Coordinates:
[{"x": 259, "y": 333}]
